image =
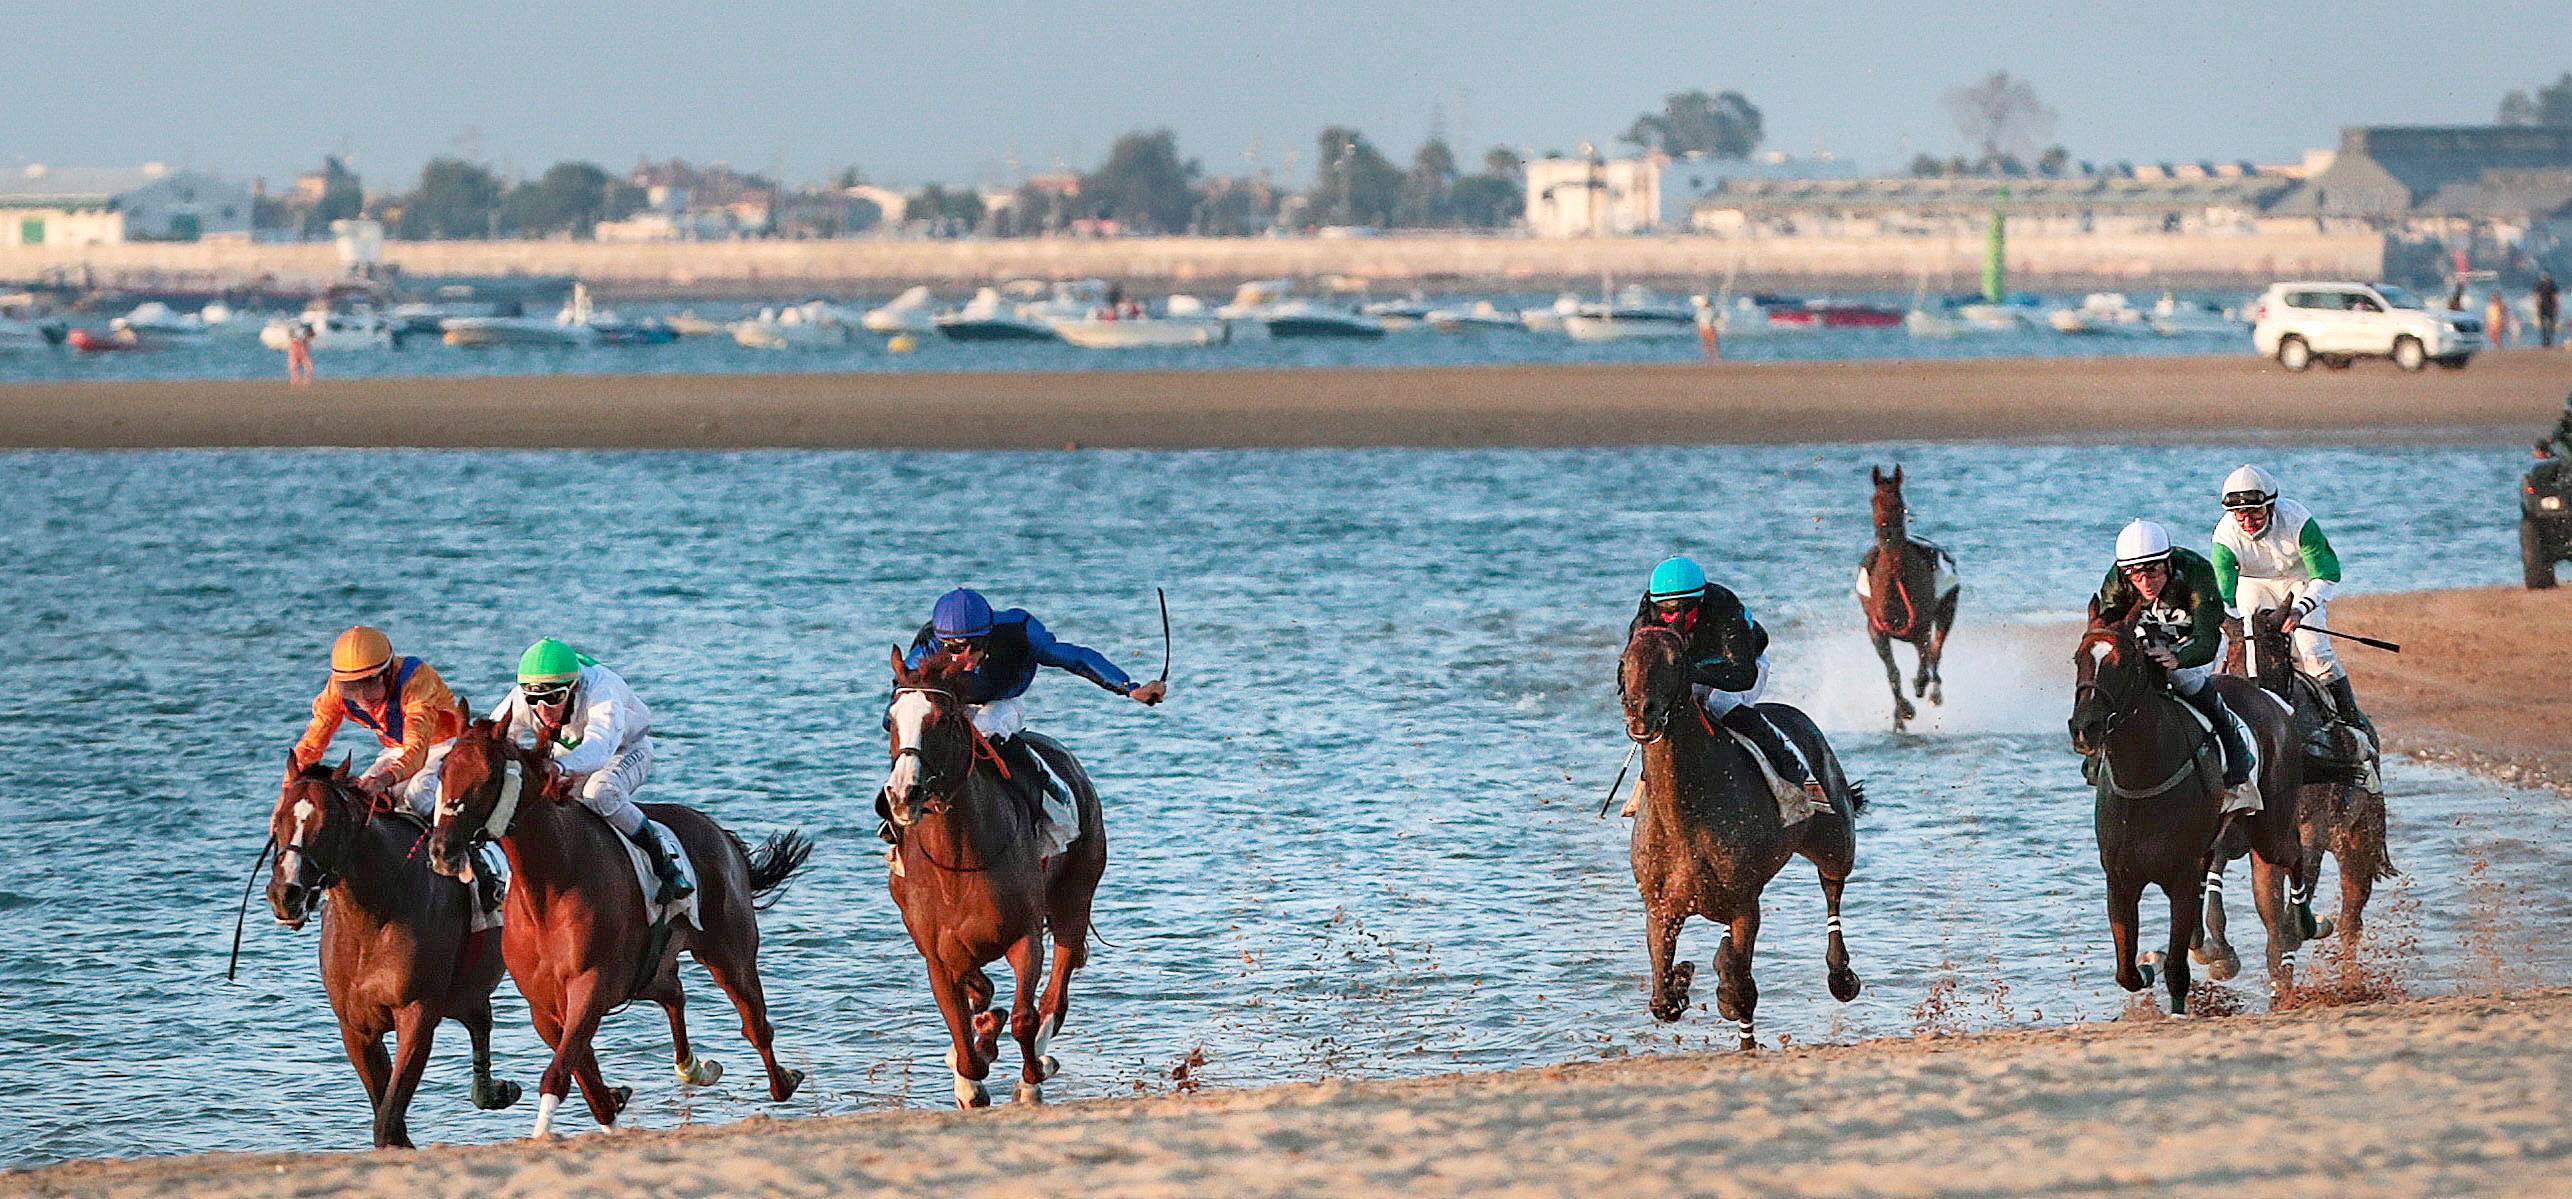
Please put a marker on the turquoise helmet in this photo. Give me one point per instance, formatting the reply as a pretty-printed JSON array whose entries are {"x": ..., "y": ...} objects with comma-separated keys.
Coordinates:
[{"x": 1677, "y": 578}]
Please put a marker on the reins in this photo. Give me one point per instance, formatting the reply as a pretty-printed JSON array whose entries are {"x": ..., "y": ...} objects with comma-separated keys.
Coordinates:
[{"x": 935, "y": 802}]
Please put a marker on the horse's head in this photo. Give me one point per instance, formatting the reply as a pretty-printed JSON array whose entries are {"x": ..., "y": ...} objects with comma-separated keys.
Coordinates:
[
  {"x": 1652, "y": 680},
  {"x": 931, "y": 735},
  {"x": 481, "y": 787},
  {"x": 2112, "y": 676},
  {"x": 1890, "y": 512},
  {"x": 316, "y": 822}
]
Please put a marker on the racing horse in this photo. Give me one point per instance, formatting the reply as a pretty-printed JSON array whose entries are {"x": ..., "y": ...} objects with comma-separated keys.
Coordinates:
[
  {"x": 395, "y": 953},
  {"x": 1708, "y": 835},
  {"x": 2158, "y": 774},
  {"x": 1907, "y": 587},
  {"x": 971, "y": 884},
  {"x": 2340, "y": 810},
  {"x": 578, "y": 936}
]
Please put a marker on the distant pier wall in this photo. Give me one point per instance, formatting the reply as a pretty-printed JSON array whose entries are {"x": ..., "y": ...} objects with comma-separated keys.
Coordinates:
[{"x": 767, "y": 268}]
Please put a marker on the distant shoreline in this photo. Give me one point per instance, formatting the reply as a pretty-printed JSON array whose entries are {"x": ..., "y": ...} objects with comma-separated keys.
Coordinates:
[{"x": 2501, "y": 399}]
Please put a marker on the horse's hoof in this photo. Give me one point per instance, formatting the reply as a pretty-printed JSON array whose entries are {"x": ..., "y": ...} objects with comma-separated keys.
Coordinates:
[
  {"x": 2197, "y": 953},
  {"x": 2149, "y": 966},
  {"x": 492, "y": 1095},
  {"x": 971, "y": 1094},
  {"x": 1672, "y": 1002},
  {"x": 2224, "y": 967},
  {"x": 1029, "y": 1092},
  {"x": 1844, "y": 985},
  {"x": 1048, "y": 1066},
  {"x": 783, "y": 1088},
  {"x": 622, "y": 1096}
]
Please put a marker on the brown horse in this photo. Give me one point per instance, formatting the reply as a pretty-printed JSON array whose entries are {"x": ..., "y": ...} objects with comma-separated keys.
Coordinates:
[
  {"x": 2159, "y": 780},
  {"x": 395, "y": 953},
  {"x": 971, "y": 885},
  {"x": 2340, "y": 810},
  {"x": 577, "y": 934},
  {"x": 1709, "y": 836},
  {"x": 1899, "y": 587}
]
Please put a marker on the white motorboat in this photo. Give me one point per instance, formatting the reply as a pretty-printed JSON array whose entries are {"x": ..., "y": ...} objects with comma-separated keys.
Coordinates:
[
  {"x": 2107, "y": 312},
  {"x": 1481, "y": 316},
  {"x": 1549, "y": 319},
  {"x": 1397, "y": 315},
  {"x": 686, "y": 323},
  {"x": 334, "y": 331},
  {"x": 1312, "y": 318},
  {"x": 1995, "y": 317},
  {"x": 1184, "y": 322},
  {"x": 2174, "y": 317},
  {"x": 813, "y": 325},
  {"x": 990, "y": 316},
  {"x": 1637, "y": 315},
  {"x": 913, "y": 312},
  {"x": 160, "y": 322}
]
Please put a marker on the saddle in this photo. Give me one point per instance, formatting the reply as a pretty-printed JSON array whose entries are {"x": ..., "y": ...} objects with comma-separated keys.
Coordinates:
[{"x": 2334, "y": 749}]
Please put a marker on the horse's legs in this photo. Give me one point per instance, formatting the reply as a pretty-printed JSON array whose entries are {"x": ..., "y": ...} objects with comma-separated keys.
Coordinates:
[
  {"x": 1933, "y": 656},
  {"x": 2268, "y": 888},
  {"x": 1026, "y": 961},
  {"x": 1844, "y": 981},
  {"x": 1902, "y": 709},
  {"x": 2214, "y": 948},
  {"x": 374, "y": 1066},
  {"x": 414, "y": 1029},
  {"x": 2358, "y": 843},
  {"x": 2318, "y": 810},
  {"x": 570, "y": 1039},
  {"x": 978, "y": 992},
  {"x": 1736, "y": 995},
  {"x": 490, "y": 1094},
  {"x": 1669, "y": 979},
  {"x": 2186, "y": 910},
  {"x": 692, "y": 1070},
  {"x": 2123, "y": 897},
  {"x": 962, "y": 1056},
  {"x": 740, "y": 983}
]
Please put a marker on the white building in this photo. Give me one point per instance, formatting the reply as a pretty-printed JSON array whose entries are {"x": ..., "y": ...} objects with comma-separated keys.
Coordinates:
[
  {"x": 1589, "y": 196},
  {"x": 88, "y": 206}
]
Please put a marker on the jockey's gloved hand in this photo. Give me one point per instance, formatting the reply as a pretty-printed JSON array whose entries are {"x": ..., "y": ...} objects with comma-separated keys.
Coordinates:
[
  {"x": 2162, "y": 656},
  {"x": 1149, "y": 694}
]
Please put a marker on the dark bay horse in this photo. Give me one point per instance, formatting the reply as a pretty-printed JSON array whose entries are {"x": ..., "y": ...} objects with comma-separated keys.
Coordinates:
[
  {"x": 1708, "y": 836},
  {"x": 2159, "y": 781},
  {"x": 395, "y": 953},
  {"x": 1898, "y": 586},
  {"x": 971, "y": 885},
  {"x": 577, "y": 934},
  {"x": 2340, "y": 809}
]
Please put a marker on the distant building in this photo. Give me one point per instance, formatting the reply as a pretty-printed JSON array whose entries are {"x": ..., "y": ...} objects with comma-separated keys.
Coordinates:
[
  {"x": 1590, "y": 196},
  {"x": 2198, "y": 200},
  {"x": 89, "y": 206},
  {"x": 2397, "y": 173}
]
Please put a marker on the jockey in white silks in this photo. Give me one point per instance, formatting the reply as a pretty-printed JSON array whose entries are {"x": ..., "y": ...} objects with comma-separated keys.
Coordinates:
[{"x": 2270, "y": 553}]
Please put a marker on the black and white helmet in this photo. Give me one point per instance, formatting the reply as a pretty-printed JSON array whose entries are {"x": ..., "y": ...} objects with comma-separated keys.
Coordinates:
[{"x": 2249, "y": 488}]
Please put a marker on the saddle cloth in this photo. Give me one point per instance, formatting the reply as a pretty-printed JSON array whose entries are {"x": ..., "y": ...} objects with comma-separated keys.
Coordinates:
[
  {"x": 2245, "y": 798},
  {"x": 1943, "y": 579},
  {"x": 1793, "y": 806},
  {"x": 1060, "y": 824},
  {"x": 486, "y": 858},
  {"x": 683, "y": 910}
]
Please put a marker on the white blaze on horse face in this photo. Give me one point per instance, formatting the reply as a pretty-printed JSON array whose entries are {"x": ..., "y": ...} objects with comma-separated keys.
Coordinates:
[
  {"x": 304, "y": 813},
  {"x": 910, "y": 718}
]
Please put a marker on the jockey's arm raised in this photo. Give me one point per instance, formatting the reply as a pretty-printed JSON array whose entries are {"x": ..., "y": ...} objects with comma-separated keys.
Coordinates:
[{"x": 1076, "y": 659}]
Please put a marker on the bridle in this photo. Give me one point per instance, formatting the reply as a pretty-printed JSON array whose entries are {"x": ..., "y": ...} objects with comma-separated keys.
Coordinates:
[
  {"x": 936, "y": 789},
  {"x": 504, "y": 811},
  {"x": 311, "y": 873},
  {"x": 2084, "y": 692},
  {"x": 1654, "y": 731}
]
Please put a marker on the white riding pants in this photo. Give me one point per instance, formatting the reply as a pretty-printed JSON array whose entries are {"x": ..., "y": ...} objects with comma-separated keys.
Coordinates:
[
  {"x": 609, "y": 790},
  {"x": 1716, "y": 703},
  {"x": 2313, "y": 652},
  {"x": 2189, "y": 680}
]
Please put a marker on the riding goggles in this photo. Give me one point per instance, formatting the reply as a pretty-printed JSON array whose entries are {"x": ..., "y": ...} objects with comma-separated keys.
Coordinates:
[
  {"x": 2245, "y": 501},
  {"x": 958, "y": 645},
  {"x": 547, "y": 694}
]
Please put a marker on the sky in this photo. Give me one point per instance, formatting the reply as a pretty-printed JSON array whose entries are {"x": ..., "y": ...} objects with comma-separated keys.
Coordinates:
[{"x": 997, "y": 89}]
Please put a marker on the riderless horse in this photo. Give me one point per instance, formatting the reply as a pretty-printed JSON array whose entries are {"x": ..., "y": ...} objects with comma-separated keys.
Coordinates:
[
  {"x": 1907, "y": 586},
  {"x": 2159, "y": 781},
  {"x": 1709, "y": 834},
  {"x": 579, "y": 937},
  {"x": 971, "y": 883},
  {"x": 396, "y": 955}
]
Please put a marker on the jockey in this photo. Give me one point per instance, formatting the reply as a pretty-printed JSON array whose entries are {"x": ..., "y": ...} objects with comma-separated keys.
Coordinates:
[
  {"x": 600, "y": 736},
  {"x": 413, "y": 716},
  {"x": 1003, "y": 650},
  {"x": 1728, "y": 656},
  {"x": 2559, "y": 442},
  {"x": 2271, "y": 554},
  {"x": 2170, "y": 594}
]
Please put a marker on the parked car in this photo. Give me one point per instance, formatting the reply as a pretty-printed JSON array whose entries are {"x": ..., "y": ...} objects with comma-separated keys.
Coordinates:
[
  {"x": 2335, "y": 324},
  {"x": 2544, "y": 517}
]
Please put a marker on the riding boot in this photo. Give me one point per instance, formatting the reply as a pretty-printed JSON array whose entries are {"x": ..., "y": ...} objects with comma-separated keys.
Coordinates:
[
  {"x": 674, "y": 885},
  {"x": 2346, "y": 700},
  {"x": 2234, "y": 738},
  {"x": 1750, "y": 722}
]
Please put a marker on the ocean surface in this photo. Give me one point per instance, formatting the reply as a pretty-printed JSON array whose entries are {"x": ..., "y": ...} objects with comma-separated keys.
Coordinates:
[
  {"x": 1360, "y": 841},
  {"x": 237, "y": 354}
]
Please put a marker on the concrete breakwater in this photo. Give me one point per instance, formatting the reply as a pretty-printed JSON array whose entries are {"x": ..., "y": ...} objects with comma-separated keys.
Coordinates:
[{"x": 771, "y": 268}]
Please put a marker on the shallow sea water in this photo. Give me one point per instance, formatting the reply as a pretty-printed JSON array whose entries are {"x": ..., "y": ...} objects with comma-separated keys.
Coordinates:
[{"x": 1360, "y": 841}]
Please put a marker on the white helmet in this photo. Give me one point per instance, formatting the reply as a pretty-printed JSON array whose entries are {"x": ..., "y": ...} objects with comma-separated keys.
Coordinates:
[
  {"x": 2245, "y": 483},
  {"x": 2142, "y": 542}
]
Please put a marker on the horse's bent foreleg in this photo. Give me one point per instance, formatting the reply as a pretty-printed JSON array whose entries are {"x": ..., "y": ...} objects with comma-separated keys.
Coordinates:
[
  {"x": 1026, "y": 961},
  {"x": 570, "y": 1038},
  {"x": 1670, "y": 978},
  {"x": 414, "y": 1030},
  {"x": 2318, "y": 810},
  {"x": 1933, "y": 656},
  {"x": 1736, "y": 993},
  {"x": 2216, "y": 951},
  {"x": 739, "y": 978},
  {"x": 2123, "y": 898},
  {"x": 490, "y": 1094},
  {"x": 1844, "y": 981},
  {"x": 2268, "y": 888},
  {"x": 1902, "y": 709},
  {"x": 2186, "y": 902},
  {"x": 2358, "y": 843},
  {"x": 963, "y": 1057},
  {"x": 692, "y": 1071}
]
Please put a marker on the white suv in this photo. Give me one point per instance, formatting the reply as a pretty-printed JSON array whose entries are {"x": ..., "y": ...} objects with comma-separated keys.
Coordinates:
[{"x": 2335, "y": 323}]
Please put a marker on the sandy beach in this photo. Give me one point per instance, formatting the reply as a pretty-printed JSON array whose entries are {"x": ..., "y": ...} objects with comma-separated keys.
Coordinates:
[
  {"x": 2484, "y": 679},
  {"x": 2502, "y": 398}
]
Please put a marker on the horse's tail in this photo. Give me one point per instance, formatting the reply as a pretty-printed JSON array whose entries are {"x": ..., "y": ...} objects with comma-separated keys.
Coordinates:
[
  {"x": 1857, "y": 796},
  {"x": 776, "y": 859}
]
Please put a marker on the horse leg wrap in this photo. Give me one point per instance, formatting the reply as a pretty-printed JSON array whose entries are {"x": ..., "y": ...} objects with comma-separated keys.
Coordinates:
[
  {"x": 1833, "y": 925},
  {"x": 699, "y": 1071},
  {"x": 1742, "y": 1029},
  {"x": 545, "y": 1105},
  {"x": 2215, "y": 884}
]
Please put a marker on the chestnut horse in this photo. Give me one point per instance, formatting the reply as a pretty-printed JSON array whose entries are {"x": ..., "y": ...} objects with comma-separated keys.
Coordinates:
[
  {"x": 1898, "y": 587},
  {"x": 577, "y": 929},
  {"x": 971, "y": 885},
  {"x": 2159, "y": 781},
  {"x": 1708, "y": 835},
  {"x": 395, "y": 956}
]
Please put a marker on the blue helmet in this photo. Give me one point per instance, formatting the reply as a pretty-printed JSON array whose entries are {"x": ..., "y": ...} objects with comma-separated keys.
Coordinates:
[
  {"x": 1677, "y": 578},
  {"x": 961, "y": 613}
]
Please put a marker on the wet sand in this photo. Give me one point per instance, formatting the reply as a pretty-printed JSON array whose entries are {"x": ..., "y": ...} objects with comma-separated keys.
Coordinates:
[
  {"x": 2438, "y": 1097},
  {"x": 2484, "y": 679},
  {"x": 2500, "y": 399}
]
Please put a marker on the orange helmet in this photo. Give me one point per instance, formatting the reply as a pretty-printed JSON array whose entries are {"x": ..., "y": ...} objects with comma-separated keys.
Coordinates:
[{"x": 359, "y": 652}]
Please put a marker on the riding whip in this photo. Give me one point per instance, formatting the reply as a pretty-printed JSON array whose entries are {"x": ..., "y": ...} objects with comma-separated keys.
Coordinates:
[
  {"x": 1164, "y": 597},
  {"x": 243, "y": 918},
  {"x": 1619, "y": 784},
  {"x": 2388, "y": 646}
]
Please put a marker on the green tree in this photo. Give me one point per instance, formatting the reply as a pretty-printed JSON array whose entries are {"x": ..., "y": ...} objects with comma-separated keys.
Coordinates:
[
  {"x": 342, "y": 198},
  {"x": 1144, "y": 184},
  {"x": 1501, "y": 162},
  {"x": 2000, "y": 115},
  {"x": 2551, "y": 105},
  {"x": 1356, "y": 184},
  {"x": 1486, "y": 202},
  {"x": 1422, "y": 202},
  {"x": 455, "y": 199},
  {"x": 2053, "y": 161},
  {"x": 1727, "y": 125},
  {"x": 571, "y": 197},
  {"x": 948, "y": 211}
]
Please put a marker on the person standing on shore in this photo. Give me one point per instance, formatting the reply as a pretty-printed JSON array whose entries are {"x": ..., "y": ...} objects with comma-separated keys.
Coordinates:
[
  {"x": 299, "y": 355},
  {"x": 2547, "y": 298},
  {"x": 2496, "y": 319}
]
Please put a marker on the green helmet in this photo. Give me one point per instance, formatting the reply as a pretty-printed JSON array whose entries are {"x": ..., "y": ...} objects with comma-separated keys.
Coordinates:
[{"x": 549, "y": 661}]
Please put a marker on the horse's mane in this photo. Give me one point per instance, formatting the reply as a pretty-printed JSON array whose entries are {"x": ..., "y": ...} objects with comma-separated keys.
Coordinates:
[
  {"x": 1662, "y": 632},
  {"x": 939, "y": 669},
  {"x": 317, "y": 770}
]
